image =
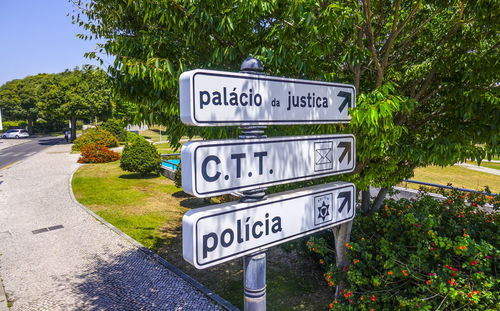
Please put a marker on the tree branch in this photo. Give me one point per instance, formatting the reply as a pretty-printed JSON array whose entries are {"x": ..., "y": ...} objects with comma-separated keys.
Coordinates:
[
  {"x": 371, "y": 41},
  {"x": 451, "y": 32},
  {"x": 419, "y": 28}
]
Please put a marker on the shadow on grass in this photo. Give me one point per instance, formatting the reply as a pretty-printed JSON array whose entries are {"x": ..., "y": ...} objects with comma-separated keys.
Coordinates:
[
  {"x": 190, "y": 201},
  {"x": 133, "y": 281},
  {"x": 139, "y": 176}
]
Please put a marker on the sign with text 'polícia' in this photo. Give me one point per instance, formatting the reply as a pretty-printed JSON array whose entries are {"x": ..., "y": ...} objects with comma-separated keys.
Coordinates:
[
  {"x": 214, "y": 234},
  {"x": 212, "y": 168},
  {"x": 214, "y": 98}
]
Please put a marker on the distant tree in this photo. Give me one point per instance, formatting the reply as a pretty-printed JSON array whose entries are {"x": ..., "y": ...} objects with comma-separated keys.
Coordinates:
[
  {"x": 19, "y": 99},
  {"x": 10, "y": 102},
  {"x": 78, "y": 94}
]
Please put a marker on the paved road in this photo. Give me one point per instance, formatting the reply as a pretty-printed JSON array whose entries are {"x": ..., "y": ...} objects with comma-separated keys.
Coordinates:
[
  {"x": 19, "y": 149},
  {"x": 55, "y": 256}
]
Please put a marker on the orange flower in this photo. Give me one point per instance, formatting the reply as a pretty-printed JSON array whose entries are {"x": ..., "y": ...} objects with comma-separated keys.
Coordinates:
[
  {"x": 404, "y": 272},
  {"x": 390, "y": 272},
  {"x": 428, "y": 282},
  {"x": 347, "y": 245}
]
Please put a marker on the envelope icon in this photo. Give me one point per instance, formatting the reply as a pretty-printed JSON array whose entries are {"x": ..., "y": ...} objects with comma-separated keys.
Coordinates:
[{"x": 323, "y": 156}]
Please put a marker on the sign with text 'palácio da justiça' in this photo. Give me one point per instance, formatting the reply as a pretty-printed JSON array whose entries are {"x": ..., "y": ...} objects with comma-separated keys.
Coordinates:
[{"x": 215, "y": 98}]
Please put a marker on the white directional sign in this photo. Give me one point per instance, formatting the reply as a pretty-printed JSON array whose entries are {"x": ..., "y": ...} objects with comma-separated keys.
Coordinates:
[
  {"x": 215, "y": 234},
  {"x": 212, "y": 168},
  {"x": 212, "y": 98}
]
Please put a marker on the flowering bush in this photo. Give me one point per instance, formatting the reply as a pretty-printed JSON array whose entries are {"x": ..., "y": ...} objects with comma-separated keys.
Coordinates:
[
  {"x": 418, "y": 255},
  {"x": 97, "y": 154},
  {"x": 95, "y": 136}
]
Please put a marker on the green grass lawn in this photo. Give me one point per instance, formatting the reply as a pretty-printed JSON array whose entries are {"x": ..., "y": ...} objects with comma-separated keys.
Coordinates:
[
  {"x": 150, "y": 210},
  {"x": 458, "y": 177}
]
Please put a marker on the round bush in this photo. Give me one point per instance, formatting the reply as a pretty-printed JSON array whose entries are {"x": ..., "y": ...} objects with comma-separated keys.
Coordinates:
[
  {"x": 97, "y": 154},
  {"x": 130, "y": 136},
  {"x": 140, "y": 157},
  {"x": 419, "y": 255},
  {"x": 115, "y": 127},
  {"x": 95, "y": 136}
]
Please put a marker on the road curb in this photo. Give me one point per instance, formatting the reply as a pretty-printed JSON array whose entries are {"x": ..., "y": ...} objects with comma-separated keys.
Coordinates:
[
  {"x": 207, "y": 292},
  {"x": 3, "y": 298}
]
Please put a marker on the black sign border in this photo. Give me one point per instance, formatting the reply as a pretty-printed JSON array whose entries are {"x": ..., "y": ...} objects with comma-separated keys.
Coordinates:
[
  {"x": 319, "y": 228},
  {"x": 257, "y": 141},
  {"x": 267, "y": 78}
]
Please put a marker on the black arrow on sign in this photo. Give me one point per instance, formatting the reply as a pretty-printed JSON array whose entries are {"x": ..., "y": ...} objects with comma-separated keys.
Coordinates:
[
  {"x": 347, "y": 151},
  {"x": 346, "y": 195},
  {"x": 346, "y": 101}
]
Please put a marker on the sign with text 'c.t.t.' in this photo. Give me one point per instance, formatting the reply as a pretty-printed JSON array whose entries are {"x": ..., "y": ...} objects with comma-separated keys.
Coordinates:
[
  {"x": 214, "y": 98},
  {"x": 215, "y": 234},
  {"x": 212, "y": 168}
]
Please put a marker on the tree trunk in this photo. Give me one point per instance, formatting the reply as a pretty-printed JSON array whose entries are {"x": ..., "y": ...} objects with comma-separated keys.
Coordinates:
[
  {"x": 73, "y": 128},
  {"x": 342, "y": 234},
  {"x": 379, "y": 200},
  {"x": 365, "y": 200},
  {"x": 30, "y": 126}
]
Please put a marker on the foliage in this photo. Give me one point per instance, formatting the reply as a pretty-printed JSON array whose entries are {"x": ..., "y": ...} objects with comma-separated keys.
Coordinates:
[
  {"x": 178, "y": 176},
  {"x": 93, "y": 153},
  {"x": 42, "y": 126},
  {"x": 424, "y": 70},
  {"x": 116, "y": 127},
  {"x": 130, "y": 136},
  {"x": 14, "y": 124},
  {"x": 72, "y": 94},
  {"x": 95, "y": 136},
  {"x": 19, "y": 98},
  {"x": 419, "y": 255},
  {"x": 141, "y": 157}
]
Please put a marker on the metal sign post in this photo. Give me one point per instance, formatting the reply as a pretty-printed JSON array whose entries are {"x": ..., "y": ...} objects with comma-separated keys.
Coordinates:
[{"x": 254, "y": 265}]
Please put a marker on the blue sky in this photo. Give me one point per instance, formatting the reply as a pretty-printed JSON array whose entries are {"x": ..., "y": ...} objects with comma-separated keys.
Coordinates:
[{"x": 36, "y": 36}]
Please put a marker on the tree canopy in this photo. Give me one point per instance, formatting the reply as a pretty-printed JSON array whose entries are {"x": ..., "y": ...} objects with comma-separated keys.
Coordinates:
[
  {"x": 73, "y": 94},
  {"x": 426, "y": 72}
]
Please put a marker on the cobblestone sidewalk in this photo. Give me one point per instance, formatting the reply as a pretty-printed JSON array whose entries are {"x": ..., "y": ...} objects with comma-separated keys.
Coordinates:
[{"x": 56, "y": 256}]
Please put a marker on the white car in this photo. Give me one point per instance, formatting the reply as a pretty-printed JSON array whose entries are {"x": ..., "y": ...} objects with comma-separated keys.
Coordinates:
[{"x": 16, "y": 133}]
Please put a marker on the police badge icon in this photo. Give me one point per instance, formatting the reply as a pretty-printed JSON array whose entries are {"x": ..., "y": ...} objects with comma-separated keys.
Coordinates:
[{"x": 323, "y": 209}]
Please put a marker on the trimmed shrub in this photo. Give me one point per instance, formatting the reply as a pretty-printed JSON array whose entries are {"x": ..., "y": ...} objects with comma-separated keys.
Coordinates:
[
  {"x": 178, "y": 176},
  {"x": 43, "y": 126},
  {"x": 130, "y": 136},
  {"x": 95, "y": 136},
  {"x": 418, "y": 255},
  {"x": 115, "y": 127},
  {"x": 97, "y": 154},
  {"x": 140, "y": 157},
  {"x": 7, "y": 125}
]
